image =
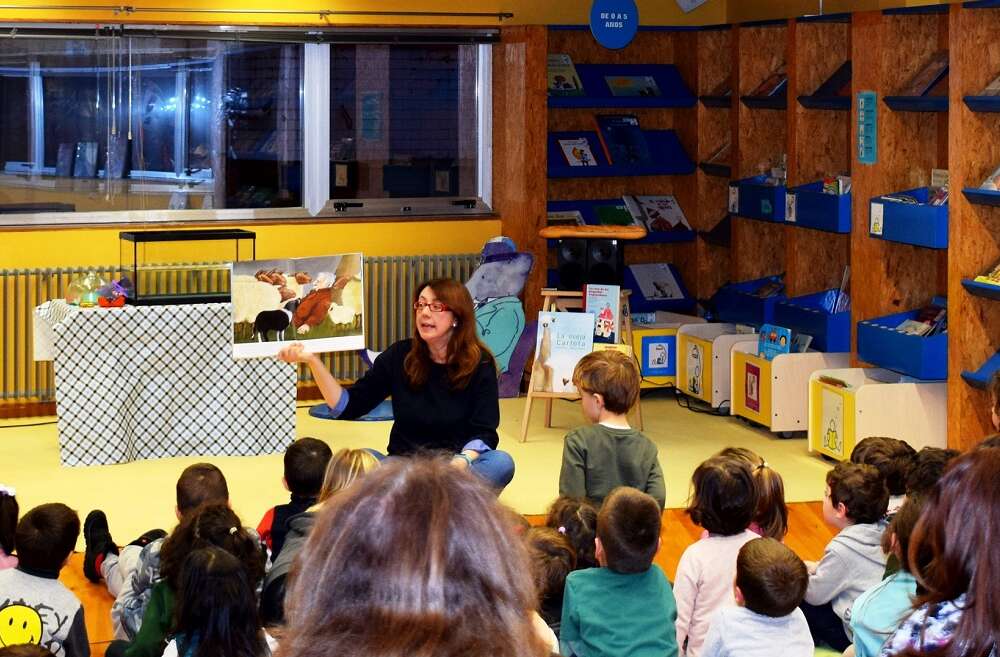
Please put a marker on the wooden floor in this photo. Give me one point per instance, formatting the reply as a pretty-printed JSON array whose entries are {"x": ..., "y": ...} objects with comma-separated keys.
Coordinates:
[{"x": 807, "y": 536}]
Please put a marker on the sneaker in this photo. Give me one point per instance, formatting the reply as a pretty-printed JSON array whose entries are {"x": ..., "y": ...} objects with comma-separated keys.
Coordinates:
[
  {"x": 97, "y": 538},
  {"x": 149, "y": 537}
]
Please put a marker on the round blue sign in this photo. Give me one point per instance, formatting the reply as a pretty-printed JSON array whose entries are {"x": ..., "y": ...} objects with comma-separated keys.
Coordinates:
[{"x": 614, "y": 22}]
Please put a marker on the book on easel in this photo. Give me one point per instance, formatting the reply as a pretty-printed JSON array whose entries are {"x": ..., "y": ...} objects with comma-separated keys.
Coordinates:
[
  {"x": 563, "y": 339},
  {"x": 562, "y": 76},
  {"x": 927, "y": 76},
  {"x": 622, "y": 139},
  {"x": 604, "y": 302}
]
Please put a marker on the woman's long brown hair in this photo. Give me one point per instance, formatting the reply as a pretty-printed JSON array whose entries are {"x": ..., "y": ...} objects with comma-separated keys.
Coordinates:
[
  {"x": 954, "y": 550},
  {"x": 465, "y": 349},
  {"x": 413, "y": 560}
]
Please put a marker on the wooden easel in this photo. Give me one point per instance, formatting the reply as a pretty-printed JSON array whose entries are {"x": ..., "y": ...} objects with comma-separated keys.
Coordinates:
[{"x": 559, "y": 300}]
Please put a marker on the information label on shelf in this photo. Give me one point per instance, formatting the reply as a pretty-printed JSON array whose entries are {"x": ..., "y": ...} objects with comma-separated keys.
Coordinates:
[
  {"x": 614, "y": 22},
  {"x": 734, "y": 199},
  {"x": 875, "y": 225},
  {"x": 790, "y": 207},
  {"x": 867, "y": 127}
]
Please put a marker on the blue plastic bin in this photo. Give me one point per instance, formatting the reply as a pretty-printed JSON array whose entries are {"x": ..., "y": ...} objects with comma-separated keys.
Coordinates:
[
  {"x": 879, "y": 343},
  {"x": 760, "y": 201},
  {"x": 736, "y": 302},
  {"x": 831, "y": 332},
  {"x": 920, "y": 224},
  {"x": 814, "y": 209}
]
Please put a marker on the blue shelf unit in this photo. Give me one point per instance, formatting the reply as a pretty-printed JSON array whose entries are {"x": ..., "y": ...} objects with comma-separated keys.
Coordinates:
[
  {"x": 760, "y": 201},
  {"x": 638, "y": 303},
  {"x": 779, "y": 101},
  {"x": 587, "y": 210},
  {"x": 981, "y": 378},
  {"x": 737, "y": 303},
  {"x": 916, "y": 103},
  {"x": 668, "y": 155},
  {"x": 840, "y": 103},
  {"x": 673, "y": 91},
  {"x": 831, "y": 332},
  {"x": 982, "y": 103},
  {"x": 716, "y": 101},
  {"x": 984, "y": 290},
  {"x": 814, "y": 209},
  {"x": 917, "y": 224},
  {"x": 981, "y": 196},
  {"x": 716, "y": 169},
  {"x": 879, "y": 343}
]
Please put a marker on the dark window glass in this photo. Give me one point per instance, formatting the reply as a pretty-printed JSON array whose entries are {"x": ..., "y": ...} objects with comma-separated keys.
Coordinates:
[{"x": 403, "y": 121}]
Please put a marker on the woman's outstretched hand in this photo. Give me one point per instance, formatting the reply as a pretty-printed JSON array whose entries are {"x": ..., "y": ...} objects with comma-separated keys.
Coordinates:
[{"x": 295, "y": 353}]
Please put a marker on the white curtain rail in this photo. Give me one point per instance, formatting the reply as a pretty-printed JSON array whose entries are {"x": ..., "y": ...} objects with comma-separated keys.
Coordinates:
[{"x": 322, "y": 13}]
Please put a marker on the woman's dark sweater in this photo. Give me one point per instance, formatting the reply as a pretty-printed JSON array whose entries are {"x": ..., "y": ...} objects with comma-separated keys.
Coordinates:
[{"x": 434, "y": 416}]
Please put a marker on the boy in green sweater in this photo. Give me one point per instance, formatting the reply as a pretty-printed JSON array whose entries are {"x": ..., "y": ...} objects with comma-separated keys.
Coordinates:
[
  {"x": 626, "y": 607},
  {"x": 608, "y": 453}
]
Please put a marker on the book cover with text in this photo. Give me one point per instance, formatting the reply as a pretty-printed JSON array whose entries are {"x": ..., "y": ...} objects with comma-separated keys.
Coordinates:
[
  {"x": 603, "y": 302},
  {"x": 563, "y": 339}
]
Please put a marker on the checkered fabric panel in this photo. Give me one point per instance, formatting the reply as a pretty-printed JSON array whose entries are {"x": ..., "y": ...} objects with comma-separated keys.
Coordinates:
[{"x": 158, "y": 381}]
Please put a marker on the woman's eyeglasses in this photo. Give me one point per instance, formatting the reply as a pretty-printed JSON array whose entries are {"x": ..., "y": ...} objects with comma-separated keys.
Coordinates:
[{"x": 435, "y": 306}]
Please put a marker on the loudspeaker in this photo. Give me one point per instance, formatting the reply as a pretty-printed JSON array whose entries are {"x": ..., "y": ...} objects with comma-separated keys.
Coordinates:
[{"x": 581, "y": 261}]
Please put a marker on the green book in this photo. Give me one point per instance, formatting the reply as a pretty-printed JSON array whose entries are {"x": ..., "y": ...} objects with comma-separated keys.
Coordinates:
[{"x": 613, "y": 215}]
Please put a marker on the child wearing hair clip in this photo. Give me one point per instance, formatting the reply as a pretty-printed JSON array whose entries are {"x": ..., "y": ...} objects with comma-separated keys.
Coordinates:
[{"x": 8, "y": 526}]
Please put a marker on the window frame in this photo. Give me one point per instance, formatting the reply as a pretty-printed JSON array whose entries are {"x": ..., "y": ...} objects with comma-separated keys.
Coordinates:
[{"x": 314, "y": 92}]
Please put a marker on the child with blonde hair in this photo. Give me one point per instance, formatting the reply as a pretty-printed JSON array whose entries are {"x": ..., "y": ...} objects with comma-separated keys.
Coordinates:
[{"x": 343, "y": 469}]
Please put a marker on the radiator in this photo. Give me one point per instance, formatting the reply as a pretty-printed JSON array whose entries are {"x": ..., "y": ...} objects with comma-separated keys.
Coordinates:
[{"x": 389, "y": 285}]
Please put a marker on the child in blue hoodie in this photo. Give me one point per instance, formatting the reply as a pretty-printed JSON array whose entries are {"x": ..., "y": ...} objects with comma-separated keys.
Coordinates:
[{"x": 855, "y": 501}]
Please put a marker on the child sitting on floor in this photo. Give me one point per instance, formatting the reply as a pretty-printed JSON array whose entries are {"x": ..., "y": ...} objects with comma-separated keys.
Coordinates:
[
  {"x": 46, "y": 612},
  {"x": 576, "y": 519},
  {"x": 8, "y": 527},
  {"x": 305, "y": 463},
  {"x": 552, "y": 560},
  {"x": 878, "y": 611},
  {"x": 854, "y": 503},
  {"x": 770, "y": 583},
  {"x": 723, "y": 502},
  {"x": 608, "y": 453},
  {"x": 625, "y": 608},
  {"x": 770, "y": 518},
  {"x": 214, "y": 613},
  {"x": 894, "y": 459}
]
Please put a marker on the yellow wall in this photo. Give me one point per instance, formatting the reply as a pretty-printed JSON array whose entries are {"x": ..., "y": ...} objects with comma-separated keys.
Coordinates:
[
  {"x": 526, "y": 12},
  {"x": 99, "y": 246}
]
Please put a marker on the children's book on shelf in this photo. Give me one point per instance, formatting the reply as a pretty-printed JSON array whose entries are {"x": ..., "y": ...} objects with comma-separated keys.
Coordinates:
[
  {"x": 838, "y": 185},
  {"x": 659, "y": 214},
  {"x": 565, "y": 218},
  {"x": 939, "y": 178},
  {"x": 992, "y": 181},
  {"x": 773, "y": 340},
  {"x": 622, "y": 139},
  {"x": 578, "y": 152},
  {"x": 838, "y": 84},
  {"x": 773, "y": 84},
  {"x": 801, "y": 342},
  {"x": 769, "y": 289},
  {"x": 656, "y": 281},
  {"x": 643, "y": 86},
  {"x": 719, "y": 155},
  {"x": 839, "y": 301},
  {"x": 563, "y": 339},
  {"x": 993, "y": 88},
  {"x": 938, "y": 196},
  {"x": 927, "y": 76},
  {"x": 992, "y": 277},
  {"x": 724, "y": 88},
  {"x": 603, "y": 302},
  {"x": 613, "y": 214},
  {"x": 563, "y": 79},
  {"x": 931, "y": 320}
]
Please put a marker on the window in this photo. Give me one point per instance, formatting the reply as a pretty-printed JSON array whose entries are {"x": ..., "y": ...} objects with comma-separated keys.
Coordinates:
[
  {"x": 219, "y": 119},
  {"x": 135, "y": 123}
]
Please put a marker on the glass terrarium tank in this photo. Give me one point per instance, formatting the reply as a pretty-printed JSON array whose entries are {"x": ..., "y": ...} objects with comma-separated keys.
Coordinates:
[{"x": 181, "y": 266}]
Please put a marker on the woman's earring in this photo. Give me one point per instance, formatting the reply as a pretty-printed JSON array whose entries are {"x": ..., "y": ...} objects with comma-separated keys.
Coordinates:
[{"x": 454, "y": 324}]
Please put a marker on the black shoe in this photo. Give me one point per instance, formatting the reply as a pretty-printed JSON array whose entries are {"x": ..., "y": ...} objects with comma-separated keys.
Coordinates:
[
  {"x": 149, "y": 537},
  {"x": 98, "y": 540}
]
